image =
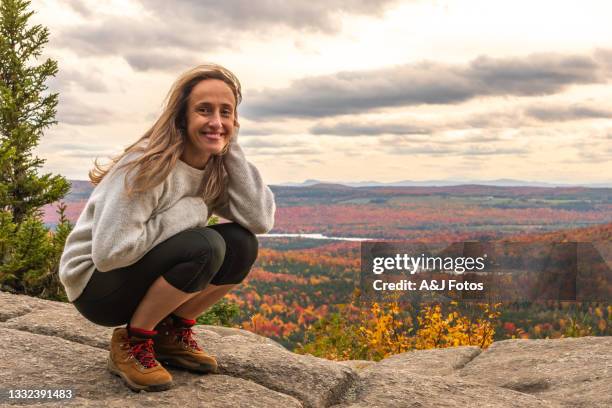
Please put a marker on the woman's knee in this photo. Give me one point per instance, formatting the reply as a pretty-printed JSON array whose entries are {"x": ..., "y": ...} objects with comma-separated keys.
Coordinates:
[
  {"x": 208, "y": 245},
  {"x": 242, "y": 247},
  {"x": 248, "y": 246},
  {"x": 241, "y": 241},
  {"x": 192, "y": 275}
]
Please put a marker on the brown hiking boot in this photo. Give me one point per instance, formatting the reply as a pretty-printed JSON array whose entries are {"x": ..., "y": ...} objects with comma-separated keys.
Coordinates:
[
  {"x": 175, "y": 345},
  {"x": 134, "y": 361}
]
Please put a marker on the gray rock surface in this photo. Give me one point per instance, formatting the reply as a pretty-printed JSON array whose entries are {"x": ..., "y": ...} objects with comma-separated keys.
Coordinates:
[
  {"x": 575, "y": 372},
  {"x": 46, "y": 344},
  {"x": 429, "y": 362},
  {"x": 31, "y": 361},
  {"x": 398, "y": 389},
  {"x": 428, "y": 379}
]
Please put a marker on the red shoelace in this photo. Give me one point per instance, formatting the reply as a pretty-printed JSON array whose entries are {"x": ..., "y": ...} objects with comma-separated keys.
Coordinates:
[
  {"x": 185, "y": 335},
  {"x": 143, "y": 352}
]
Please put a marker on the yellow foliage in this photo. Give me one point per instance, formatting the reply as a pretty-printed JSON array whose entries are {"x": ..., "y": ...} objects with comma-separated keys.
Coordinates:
[
  {"x": 385, "y": 333},
  {"x": 439, "y": 330},
  {"x": 385, "y": 329},
  {"x": 378, "y": 330},
  {"x": 602, "y": 325},
  {"x": 265, "y": 309}
]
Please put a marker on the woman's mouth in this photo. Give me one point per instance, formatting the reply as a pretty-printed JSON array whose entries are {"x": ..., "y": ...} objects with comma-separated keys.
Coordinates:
[{"x": 212, "y": 135}]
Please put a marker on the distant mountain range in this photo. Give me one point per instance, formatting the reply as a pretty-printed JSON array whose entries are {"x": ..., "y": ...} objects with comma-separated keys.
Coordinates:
[
  {"x": 84, "y": 187},
  {"x": 448, "y": 183}
]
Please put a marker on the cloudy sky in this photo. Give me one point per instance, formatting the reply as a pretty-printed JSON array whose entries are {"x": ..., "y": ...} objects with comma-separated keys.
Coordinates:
[{"x": 349, "y": 90}]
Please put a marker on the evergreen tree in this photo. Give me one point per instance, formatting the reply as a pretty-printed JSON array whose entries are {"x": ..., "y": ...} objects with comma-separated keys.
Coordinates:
[
  {"x": 29, "y": 252},
  {"x": 25, "y": 111}
]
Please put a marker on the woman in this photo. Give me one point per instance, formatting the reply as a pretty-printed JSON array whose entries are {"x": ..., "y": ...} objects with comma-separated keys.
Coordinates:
[{"x": 141, "y": 253}]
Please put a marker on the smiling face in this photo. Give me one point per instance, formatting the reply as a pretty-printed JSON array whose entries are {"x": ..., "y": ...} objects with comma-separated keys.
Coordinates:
[{"x": 210, "y": 121}]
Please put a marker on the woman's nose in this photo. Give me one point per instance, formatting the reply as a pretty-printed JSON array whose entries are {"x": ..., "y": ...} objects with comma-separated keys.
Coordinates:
[{"x": 215, "y": 121}]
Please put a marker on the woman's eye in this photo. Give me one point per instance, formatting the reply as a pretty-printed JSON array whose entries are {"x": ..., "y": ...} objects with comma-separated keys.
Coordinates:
[{"x": 226, "y": 113}]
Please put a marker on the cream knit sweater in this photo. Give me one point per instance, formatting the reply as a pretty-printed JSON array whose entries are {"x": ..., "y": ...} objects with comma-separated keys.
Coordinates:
[{"x": 114, "y": 231}]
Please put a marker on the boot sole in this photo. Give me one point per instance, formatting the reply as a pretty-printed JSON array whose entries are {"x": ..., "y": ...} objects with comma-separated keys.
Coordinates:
[
  {"x": 132, "y": 385},
  {"x": 188, "y": 365}
]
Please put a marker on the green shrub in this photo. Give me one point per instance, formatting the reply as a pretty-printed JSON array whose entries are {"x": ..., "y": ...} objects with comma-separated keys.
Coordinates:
[{"x": 222, "y": 313}]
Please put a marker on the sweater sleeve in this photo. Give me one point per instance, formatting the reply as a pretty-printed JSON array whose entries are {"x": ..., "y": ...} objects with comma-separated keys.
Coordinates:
[
  {"x": 124, "y": 230},
  {"x": 248, "y": 201}
]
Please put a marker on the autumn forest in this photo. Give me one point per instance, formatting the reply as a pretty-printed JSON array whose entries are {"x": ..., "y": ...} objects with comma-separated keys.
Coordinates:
[{"x": 302, "y": 292}]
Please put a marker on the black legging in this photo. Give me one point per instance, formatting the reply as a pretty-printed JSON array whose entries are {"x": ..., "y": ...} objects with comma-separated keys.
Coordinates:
[{"x": 190, "y": 260}]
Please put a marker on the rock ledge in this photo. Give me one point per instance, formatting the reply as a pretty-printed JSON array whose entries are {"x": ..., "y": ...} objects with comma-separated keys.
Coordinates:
[{"x": 49, "y": 345}]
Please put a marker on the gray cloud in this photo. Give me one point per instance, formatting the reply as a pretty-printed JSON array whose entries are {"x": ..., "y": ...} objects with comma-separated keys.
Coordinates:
[
  {"x": 405, "y": 139},
  {"x": 481, "y": 138},
  {"x": 160, "y": 60},
  {"x": 263, "y": 14},
  {"x": 125, "y": 35},
  {"x": 479, "y": 150},
  {"x": 258, "y": 143},
  {"x": 74, "y": 112},
  {"x": 80, "y": 7},
  {"x": 81, "y": 151},
  {"x": 355, "y": 128},
  {"x": 174, "y": 29},
  {"x": 455, "y": 149},
  {"x": 282, "y": 150},
  {"x": 401, "y": 127},
  {"x": 352, "y": 92},
  {"x": 529, "y": 116},
  {"x": 510, "y": 118},
  {"x": 259, "y": 129},
  {"x": 78, "y": 146},
  {"x": 264, "y": 146},
  {"x": 67, "y": 79},
  {"x": 102, "y": 155},
  {"x": 430, "y": 150},
  {"x": 252, "y": 131},
  {"x": 557, "y": 113},
  {"x": 536, "y": 74}
]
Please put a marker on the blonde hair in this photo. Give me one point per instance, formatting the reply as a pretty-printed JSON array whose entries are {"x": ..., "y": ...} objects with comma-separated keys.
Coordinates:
[{"x": 165, "y": 140}]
